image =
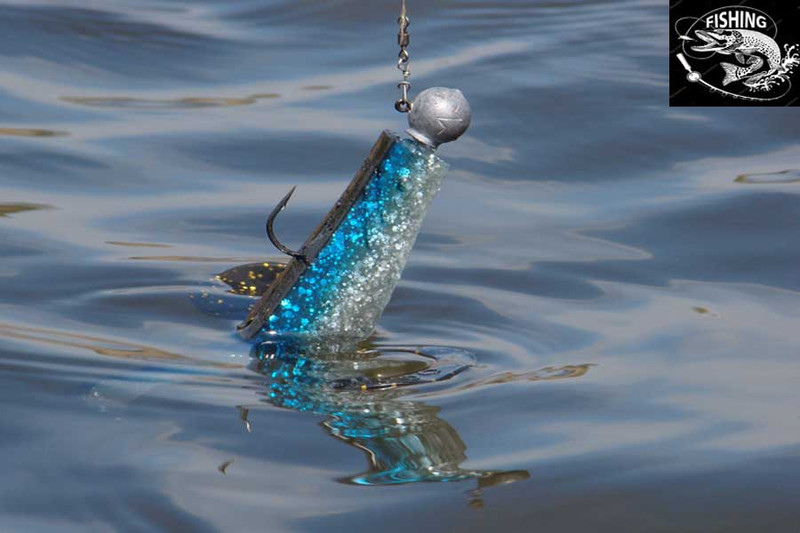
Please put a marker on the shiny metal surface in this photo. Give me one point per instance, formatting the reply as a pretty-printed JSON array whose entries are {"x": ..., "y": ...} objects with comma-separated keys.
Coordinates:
[{"x": 439, "y": 115}]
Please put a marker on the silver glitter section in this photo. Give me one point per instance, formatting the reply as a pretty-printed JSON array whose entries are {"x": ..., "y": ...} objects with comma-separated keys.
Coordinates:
[{"x": 367, "y": 290}]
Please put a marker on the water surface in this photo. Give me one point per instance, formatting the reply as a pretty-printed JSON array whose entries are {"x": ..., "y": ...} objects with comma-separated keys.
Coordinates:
[{"x": 624, "y": 275}]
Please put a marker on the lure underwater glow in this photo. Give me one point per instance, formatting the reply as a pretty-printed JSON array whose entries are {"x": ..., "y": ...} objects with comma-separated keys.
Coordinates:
[{"x": 339, "y": 282}]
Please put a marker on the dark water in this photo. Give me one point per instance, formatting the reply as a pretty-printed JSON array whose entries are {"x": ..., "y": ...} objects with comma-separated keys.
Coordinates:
[{"x": 626, "y": 275}]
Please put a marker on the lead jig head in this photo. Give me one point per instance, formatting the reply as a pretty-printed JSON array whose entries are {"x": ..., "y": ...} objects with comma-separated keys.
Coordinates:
[{"x": 439, "y": 115}]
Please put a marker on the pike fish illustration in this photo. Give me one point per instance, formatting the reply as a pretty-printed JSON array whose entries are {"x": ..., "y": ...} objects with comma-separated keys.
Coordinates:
[
  {"x": 759, "y": 56},
  {"x": 339, "y": 282}
]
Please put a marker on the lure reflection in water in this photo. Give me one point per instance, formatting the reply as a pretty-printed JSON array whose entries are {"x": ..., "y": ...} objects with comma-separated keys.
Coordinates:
[{"x": 361, "y": 392}]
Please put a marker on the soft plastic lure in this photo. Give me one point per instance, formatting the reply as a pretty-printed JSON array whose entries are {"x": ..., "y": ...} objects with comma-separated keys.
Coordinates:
[{"x": 339, "y": 282}]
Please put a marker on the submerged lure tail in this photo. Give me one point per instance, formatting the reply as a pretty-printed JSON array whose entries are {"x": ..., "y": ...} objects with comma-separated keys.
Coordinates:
[{"x": 339, "y": 282}]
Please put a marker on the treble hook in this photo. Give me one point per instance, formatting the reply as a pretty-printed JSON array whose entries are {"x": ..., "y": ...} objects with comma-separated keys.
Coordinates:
[{"x": 271, "y": 234}]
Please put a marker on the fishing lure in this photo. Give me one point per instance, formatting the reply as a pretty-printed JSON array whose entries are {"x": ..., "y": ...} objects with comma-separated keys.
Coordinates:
[{"x": 339, "y": 282}]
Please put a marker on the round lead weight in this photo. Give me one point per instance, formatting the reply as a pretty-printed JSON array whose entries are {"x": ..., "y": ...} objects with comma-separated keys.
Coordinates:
[{"x": 439, "y": 115}]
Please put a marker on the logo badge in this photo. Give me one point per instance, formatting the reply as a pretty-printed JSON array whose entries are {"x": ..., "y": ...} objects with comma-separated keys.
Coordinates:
[{"x": 732, "y": 55}]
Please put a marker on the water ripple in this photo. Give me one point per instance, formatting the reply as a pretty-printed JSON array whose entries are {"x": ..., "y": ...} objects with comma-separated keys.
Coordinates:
[{"x": 783, "y": 176}]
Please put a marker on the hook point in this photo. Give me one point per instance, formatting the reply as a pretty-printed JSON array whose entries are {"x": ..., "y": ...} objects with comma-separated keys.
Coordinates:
[{"x": 271, "y": 232}]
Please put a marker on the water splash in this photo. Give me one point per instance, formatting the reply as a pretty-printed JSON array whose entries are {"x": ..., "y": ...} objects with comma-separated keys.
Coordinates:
[{"x": 781, "y": 75}]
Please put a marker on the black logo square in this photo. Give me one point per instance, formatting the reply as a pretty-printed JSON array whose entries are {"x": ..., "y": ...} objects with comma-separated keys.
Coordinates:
[{"x": 728, "y": 54}]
